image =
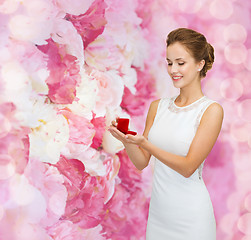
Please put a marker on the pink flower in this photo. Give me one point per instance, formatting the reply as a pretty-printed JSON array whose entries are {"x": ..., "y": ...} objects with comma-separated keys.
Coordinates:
[
  {"x": 81, "y": 129},
  {"x": 136, "y": 104},
  {"x": 7, "y": 111},
  {"x": 64, "y": 73},
  {"x": 66, "y": 34},
  {"x": 121, "y": 220},
  {"x": 90, "y": 157},
  {"x": 144, "y": 12},
  {"x": 126, "y": 11},
  {"x": 65, "y": 230},
  {"x": 122, "y": 44},
  {"x": 74, "y": 174},
  {"x": 90, "y": 24},
  {"x": 87, "y": 194},
  {"x": 103, "y": 54},
  {"x": 12, "y": 229},
  {"x": 14, "y": 143},
  {"x": 121, "y": 217},
  {"x": 34, "y": 21},
  {"x": 112, "y": 164},
  {"x": 50, "y": 182},
  {"x": 130, "y": 176},
  {"x": 84, "y": 205},
  {"x": 99, "y": 125},
  {"x": 110, "y": 91},
  {"x": 95, "y": 233},
  {"x": 33, "y": 61},
  {"x": 74, "y": 7}
]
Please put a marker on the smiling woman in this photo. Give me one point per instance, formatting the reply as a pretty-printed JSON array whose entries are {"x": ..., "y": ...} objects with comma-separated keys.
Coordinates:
[
  {"x": 179, "y": 133},
  {"x": 196, "y": 46},
  {"x": 182, "y": 67}
]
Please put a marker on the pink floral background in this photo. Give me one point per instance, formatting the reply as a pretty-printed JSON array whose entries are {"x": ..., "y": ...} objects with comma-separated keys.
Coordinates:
[{"x": 69, "y": 67}]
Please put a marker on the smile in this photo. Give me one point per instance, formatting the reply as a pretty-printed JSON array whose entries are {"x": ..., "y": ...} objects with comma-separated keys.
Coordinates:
[{"x": 176, "y": 78}]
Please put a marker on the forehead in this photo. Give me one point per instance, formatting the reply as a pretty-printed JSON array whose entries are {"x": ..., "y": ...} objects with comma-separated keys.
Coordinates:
[{"x": 177, "y": 51}]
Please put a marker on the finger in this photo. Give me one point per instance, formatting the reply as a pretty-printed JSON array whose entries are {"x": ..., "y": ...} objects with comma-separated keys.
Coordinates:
[
  {"x": 116, "y": 135},
  {"x": 114, "y": 123},
  {"x": 130, "y": 136},
  {"x": 129, "y": 141},
  {"x": 113, "y": 129}
]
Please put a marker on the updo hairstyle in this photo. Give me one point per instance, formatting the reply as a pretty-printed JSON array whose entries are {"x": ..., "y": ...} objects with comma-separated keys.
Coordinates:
[{"x": 196, "y": 44}]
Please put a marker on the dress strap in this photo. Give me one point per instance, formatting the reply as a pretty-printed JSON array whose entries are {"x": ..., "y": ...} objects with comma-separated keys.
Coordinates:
[
  {"x": 203, "y": 109},
  {"x": 160, "y": 108}
]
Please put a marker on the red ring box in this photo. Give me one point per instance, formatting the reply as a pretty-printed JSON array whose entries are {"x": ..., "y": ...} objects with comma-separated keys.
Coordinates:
[
  {"x": 123, "y": 124},
  {"x": 132, "y": 132}
]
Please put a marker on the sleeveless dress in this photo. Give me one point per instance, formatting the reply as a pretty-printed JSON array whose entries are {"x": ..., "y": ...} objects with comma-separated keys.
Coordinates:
[{"x": 180, "y": 207}]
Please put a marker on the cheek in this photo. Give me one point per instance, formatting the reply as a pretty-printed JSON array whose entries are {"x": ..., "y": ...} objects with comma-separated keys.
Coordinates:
[{"x": 186, "y": 69}]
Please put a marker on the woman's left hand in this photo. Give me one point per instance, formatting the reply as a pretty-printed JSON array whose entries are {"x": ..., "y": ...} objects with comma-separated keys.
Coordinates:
[{"x": 135, "y": 139}]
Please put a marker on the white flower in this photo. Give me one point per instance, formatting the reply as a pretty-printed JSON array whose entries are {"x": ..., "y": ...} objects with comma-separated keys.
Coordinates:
[
  {"x": 49, "y": 135},
  {"x": 110, "y": 91},
  {"x": 86, "y": 96},
  {"x": 110, "y": 143},
  {"x": 90, "y": 157}
]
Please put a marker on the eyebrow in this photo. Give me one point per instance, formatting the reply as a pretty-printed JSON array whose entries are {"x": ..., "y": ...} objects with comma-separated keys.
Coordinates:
[{"x": 176, "y": 59}]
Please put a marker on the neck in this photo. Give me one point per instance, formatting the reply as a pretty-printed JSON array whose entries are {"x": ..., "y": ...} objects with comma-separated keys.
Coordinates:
[{"x": 191, "y": 93}]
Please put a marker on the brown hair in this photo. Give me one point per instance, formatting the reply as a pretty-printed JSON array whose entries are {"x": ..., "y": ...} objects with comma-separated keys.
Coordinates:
[{"x": 196, "y": 44}]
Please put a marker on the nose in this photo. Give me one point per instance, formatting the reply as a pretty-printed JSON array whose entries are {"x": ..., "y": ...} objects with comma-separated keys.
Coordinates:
[{"x": 174, "y": 68}]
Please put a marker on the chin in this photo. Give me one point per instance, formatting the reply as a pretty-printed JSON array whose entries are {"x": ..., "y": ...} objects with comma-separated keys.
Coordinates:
[{"x": 178, "y": 84}]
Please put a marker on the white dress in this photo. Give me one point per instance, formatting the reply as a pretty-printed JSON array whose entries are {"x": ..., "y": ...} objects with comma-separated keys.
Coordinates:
[{"x": 180, "y": 207}]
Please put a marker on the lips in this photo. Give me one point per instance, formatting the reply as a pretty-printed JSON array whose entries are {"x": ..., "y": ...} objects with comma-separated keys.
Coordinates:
[{"x": 176, "y": 78}]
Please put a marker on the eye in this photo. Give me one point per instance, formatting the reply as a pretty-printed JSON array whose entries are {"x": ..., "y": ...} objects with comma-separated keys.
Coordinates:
[{"x": 181, "y": 64}]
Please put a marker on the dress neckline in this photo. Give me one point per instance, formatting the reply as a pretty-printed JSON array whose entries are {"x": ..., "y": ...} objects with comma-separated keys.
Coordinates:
[
  {"x": 174, "y": 98},
  {"x": 174, "y": 108}
]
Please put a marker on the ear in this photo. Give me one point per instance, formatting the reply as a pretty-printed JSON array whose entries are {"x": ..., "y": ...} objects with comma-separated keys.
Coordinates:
[{"x": 201, "y": 65}]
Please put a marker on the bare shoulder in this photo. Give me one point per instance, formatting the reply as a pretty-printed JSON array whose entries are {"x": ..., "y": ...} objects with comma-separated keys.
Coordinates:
[
  {"x": 214, "y": 112},
  {"x": 215, "y": 109},
  {"x": 151, "y": 115},
  {"x": 153, "y": 109},
  {"x": 154, "y": 104}
]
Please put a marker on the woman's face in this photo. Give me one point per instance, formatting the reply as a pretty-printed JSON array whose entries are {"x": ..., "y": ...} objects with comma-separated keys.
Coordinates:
[{"x": 182, "y": 67}]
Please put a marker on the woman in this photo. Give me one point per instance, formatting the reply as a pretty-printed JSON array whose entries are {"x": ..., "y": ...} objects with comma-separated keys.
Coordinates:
[{"x": 180, "y": 133}]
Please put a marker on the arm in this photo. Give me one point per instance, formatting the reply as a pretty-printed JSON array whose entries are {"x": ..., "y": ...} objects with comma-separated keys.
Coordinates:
[
  {"x": 139, "y": 156},
  {"x": 200, "y": 147}
]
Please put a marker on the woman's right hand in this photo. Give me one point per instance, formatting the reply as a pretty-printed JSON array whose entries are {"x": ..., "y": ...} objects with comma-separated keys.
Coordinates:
[{"x": 116, "y": 133}]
